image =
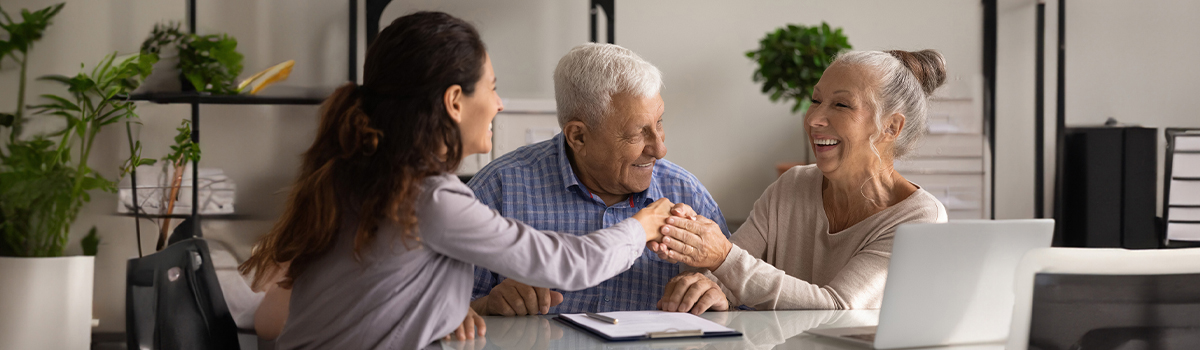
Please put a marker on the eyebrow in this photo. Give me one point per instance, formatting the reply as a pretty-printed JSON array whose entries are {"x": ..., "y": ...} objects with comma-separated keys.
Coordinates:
[{"x": 843, "y": 91}]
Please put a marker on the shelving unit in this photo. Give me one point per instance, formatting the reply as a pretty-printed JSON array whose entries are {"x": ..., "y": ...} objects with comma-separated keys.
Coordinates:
[
  {"x": 295, "y": 97},
  {"x": 951, "y": 162},
  {"x": 274, "y": 96}
]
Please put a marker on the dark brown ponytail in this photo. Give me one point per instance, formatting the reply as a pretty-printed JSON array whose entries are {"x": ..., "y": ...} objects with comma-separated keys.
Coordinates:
[{"x": 376, "y": 143}]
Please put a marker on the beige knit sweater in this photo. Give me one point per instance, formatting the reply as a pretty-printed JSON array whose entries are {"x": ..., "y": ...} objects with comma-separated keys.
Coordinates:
[{"x": 785, "y": 258}]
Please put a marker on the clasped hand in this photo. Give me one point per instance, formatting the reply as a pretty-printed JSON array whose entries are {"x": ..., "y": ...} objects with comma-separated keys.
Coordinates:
[{"x": 692, "y": 239}]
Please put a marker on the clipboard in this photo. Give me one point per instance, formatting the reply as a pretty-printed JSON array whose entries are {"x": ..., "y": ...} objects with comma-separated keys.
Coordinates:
[{"x": 653, "y": 333}]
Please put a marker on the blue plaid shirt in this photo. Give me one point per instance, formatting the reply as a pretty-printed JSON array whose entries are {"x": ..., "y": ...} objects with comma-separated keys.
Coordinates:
[{"x": 535, "y": 184}]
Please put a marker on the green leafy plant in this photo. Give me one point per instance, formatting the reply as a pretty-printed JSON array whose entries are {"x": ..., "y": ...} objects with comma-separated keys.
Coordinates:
[
  {"x": 210, "y": 63},
  {"x": 45, "y": 181},
  {"x": 21, "y": 36},
  {"x": 791, "y": 60},
  {"x": 90, "y": 243},
  {"x": 182, "y": 152}
]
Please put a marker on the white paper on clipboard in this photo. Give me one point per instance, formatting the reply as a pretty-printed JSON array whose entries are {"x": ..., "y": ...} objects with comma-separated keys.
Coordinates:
[{"x": 639, "y": 323}]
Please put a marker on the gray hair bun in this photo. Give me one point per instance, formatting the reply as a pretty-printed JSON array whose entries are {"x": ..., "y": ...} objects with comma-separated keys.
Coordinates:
[{"x": 927, "y": 65}]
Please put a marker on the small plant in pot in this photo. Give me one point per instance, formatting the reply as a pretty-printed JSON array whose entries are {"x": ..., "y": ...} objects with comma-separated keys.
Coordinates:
[
  {"x": 45, "y": 179},
  {"x": 204, "y": 63},
  {"x": 792, "y": 59}
]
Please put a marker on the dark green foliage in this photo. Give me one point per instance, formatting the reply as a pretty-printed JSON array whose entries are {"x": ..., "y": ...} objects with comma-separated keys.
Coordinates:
[
  {"x": 210, "y": 63},
  {"x": 45, "y": 181},
  {"x": 791, "y": 60},
  {"x": 184, "y": 150},
  {"x": 21, "y": 36},
  {"x": 90, "y": 243}
]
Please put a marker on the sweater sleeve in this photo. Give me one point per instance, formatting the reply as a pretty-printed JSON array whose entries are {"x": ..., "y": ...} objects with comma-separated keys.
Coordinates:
[
  {"x": 457, "y": 225},
  {"x": 757, "y": 283}
]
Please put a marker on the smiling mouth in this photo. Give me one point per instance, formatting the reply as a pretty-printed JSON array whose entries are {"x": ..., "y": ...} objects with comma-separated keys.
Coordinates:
[
  {"x": 826, "y": 142},
  {"x": 646, "y": 165}
]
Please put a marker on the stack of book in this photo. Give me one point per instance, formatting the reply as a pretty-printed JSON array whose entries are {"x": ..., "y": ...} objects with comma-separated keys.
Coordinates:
[{"x": 1182, "y": 207}]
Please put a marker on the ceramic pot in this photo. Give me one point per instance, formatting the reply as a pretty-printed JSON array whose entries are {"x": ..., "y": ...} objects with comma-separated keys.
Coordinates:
[{"x": 46, "y": 303}]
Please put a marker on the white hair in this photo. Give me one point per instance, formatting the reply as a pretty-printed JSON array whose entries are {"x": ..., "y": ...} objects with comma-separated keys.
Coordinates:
[
  {"x": 589, "y": 75},
  {"x": 904, "y": 87}
]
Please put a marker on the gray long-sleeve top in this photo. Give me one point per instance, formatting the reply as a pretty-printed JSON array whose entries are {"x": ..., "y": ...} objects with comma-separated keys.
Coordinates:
[{"x": 402, "y": 298}]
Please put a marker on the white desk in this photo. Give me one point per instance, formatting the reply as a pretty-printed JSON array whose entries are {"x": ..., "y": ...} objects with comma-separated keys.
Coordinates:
[{"x": 761, "y": 329}]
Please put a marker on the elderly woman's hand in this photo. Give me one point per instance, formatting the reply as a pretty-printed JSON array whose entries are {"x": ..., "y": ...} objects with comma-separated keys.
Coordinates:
[{"x": 697, "y": 242}]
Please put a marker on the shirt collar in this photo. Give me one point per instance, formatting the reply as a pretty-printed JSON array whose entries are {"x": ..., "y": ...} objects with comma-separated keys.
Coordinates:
[{"x": 570, "y": 180}]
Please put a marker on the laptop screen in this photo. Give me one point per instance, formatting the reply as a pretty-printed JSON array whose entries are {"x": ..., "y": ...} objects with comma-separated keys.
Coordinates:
[{"x": 1115, "y": 312}]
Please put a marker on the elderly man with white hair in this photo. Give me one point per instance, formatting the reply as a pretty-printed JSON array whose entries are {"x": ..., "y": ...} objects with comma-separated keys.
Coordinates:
[{"x": 605, "y": 165}]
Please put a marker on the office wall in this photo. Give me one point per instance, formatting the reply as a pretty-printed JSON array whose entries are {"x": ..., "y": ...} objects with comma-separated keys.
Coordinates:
[
  {"x": 1126, "y": 60},
  {"x": 1132, "y": 61},
  {"x": 719, "y": 126}
]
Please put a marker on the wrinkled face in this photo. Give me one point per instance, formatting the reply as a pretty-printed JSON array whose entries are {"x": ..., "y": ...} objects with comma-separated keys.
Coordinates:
[
  {"x": 840, "y": 121},
  {"x": 620, "y": 153},
  {"x": 478, "y": 110}
]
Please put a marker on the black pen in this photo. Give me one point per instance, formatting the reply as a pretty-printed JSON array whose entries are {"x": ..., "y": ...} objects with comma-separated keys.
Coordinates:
[{"x": 601, "y": 318}]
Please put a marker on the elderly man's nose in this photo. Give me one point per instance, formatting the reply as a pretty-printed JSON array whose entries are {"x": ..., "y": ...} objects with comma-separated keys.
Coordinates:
[{"x": 658, "y": 148}]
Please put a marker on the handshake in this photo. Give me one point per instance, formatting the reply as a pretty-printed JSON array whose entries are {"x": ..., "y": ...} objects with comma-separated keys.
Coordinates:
[{"x": 675, "y": 233}]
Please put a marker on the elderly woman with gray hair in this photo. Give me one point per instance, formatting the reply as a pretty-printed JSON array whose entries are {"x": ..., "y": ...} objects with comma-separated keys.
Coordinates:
[{"x": 820, "y": 237}]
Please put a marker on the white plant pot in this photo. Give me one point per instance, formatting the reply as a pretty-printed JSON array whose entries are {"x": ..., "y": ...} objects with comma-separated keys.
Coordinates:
[{"x": 46, "y": 303}]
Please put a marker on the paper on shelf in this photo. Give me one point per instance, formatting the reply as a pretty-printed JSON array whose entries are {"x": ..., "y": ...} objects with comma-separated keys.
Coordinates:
[
  {"x": 1183, "y": 232},
  {"x": 1183, "y": 214},
  {"x": 217, "y": 192},
  {"x": 1185, "y": 165},
  {"x": 1184, "y": 192},
  {"x": 1187, "y": 143},
  {"x": 639, "y": 323}
]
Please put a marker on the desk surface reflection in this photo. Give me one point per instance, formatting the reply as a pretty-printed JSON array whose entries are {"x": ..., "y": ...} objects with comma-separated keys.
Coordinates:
[{"x": 761, "y": 329}]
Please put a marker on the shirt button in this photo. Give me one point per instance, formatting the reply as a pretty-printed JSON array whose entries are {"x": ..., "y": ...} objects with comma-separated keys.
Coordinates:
[{"x": 606, "y": 299}]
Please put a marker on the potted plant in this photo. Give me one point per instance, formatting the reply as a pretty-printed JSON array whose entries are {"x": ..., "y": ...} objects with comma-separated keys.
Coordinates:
[
  {"x": 204, "y": 63},
  {"x": 184, "y": 151},
  {"x": 791, "y": 60},
  {"x": 44, "y": 181}
]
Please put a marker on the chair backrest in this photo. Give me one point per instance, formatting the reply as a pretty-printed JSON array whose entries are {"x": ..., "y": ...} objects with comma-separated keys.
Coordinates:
[
  {"x": 1078, "y": 296},
  {"x": 173, "y": 301}
]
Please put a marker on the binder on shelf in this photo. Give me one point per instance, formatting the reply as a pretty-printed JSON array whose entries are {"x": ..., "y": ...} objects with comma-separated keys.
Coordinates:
[
  {"x": 1181, "y": 197},
  {"x": 645, "y": 325}
]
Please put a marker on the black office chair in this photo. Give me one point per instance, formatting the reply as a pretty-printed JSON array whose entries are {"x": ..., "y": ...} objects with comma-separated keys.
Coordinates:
[{"x": 173, "y": 299}]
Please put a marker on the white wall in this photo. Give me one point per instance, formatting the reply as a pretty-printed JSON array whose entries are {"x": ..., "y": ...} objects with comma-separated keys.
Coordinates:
[
  {"x": 718, "y": 125},
  {"x": 1133, "y": 61},
  {"x": 1127, "y": 60}
]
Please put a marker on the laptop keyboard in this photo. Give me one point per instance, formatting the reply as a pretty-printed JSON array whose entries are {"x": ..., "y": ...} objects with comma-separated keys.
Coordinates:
[{"x": 869, "y": 337}]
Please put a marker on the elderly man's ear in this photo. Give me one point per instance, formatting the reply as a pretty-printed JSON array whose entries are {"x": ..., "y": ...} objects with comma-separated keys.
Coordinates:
[{"x": 576, "y": 133}]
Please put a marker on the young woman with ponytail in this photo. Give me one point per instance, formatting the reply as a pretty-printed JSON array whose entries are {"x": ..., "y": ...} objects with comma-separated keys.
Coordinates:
[{"x": 378, "y": 242}]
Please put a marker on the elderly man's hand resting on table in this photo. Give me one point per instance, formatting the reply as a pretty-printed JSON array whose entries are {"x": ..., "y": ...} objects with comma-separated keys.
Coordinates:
[
  {"x": 696, "y": 241},
  {"x": 512, "y": 298}
]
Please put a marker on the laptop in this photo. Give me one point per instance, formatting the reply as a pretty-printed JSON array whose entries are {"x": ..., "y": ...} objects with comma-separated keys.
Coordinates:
[{"x": 949, "y": 283}]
